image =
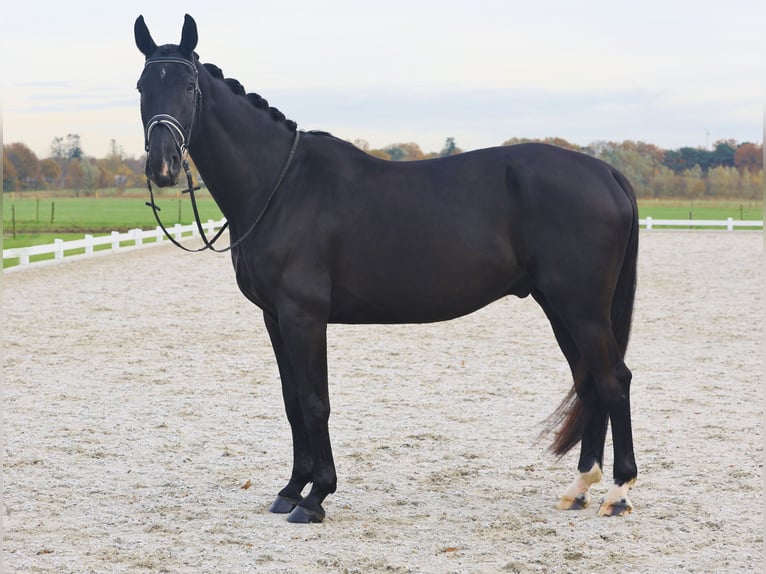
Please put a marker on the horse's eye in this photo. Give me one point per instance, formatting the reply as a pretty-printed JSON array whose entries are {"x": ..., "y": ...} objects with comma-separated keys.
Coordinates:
[{"x": 190, "y": 87}]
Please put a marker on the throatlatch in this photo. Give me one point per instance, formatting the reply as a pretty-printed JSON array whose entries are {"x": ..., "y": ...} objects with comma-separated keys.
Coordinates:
[{"x": 209, "y": 243}]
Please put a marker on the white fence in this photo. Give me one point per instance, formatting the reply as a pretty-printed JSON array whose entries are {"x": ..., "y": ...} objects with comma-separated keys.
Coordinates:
[
  {"x": 729, "y": 223},
  {"x": 137, "y": 237},
  {"x": 90, "y": 245}
]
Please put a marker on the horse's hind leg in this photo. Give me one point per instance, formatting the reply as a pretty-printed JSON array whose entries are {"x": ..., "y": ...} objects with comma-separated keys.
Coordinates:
[
  {"x": 593, "y": 417},
  {"x": 611, "y": 382},
  {"x": 591, "y": 462},
  {"x": 616, "y": 501},
  {"x": 581, "y": 312}
]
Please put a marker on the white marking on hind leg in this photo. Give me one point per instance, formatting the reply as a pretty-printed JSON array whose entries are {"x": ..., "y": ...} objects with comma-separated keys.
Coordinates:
[
  {"x": 576, "y": 495},
  {"x": 616, "y": 501}
]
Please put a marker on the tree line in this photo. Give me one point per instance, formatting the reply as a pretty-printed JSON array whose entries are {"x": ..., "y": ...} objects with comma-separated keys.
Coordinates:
[
  {"x": 68, "y": 167},
  {"x": 727, "y": 170}
]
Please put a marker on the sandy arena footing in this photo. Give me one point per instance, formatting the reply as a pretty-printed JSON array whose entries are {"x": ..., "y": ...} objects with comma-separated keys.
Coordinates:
[{"x": 142, "y": 397}]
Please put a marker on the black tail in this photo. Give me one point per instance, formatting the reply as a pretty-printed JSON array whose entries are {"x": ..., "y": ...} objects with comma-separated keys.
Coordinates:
[
  {"x": 625, "y": 293},
  {"x": 570, "y": 416}
]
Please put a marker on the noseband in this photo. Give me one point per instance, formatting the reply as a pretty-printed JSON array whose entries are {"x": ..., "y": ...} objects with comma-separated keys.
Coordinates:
[{"x": 181, "y": 137}]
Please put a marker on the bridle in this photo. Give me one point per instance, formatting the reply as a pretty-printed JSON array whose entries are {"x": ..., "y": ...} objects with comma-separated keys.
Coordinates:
[{"x": 181, "y": 137}]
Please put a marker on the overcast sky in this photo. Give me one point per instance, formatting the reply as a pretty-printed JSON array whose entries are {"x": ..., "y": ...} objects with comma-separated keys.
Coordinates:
[{"x": 673, "y": 73}]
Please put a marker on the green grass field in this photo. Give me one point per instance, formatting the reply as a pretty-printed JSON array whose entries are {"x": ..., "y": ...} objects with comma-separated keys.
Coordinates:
[
  {"x": 700, "y": 209},
  {"x": 72, "y": 217},
  {"x": 39, "y": 218},
  {"x": 45, "y": 215}
]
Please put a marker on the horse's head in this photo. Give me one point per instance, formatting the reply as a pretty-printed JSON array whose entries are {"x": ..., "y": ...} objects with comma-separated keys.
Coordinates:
[{"x": 169, "y": 96}]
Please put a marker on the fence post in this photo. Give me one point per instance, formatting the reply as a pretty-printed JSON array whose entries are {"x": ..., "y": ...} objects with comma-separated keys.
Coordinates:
[
  {"x": 648, "y": 222},
  {"x": 59, "y": 249},
  {"x": 115, "y": 240},
  {"x": 177, "y": 231},
  {"x": 158, "y": 232},
  {"x": 138, "y": 237},
  {"x": 730, "y": 224},
  {"x": 24, "y": 258},
  {"x": 88, "y": 244}
]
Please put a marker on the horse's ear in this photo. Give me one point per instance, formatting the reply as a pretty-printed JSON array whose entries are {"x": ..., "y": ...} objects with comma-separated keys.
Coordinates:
[
  {"x": 188, "y": 36},
  {"x": 143, "y": 39}
]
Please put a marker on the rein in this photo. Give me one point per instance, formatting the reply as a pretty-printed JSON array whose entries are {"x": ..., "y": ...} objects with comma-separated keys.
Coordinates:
[{"x": 181, "y": 138}]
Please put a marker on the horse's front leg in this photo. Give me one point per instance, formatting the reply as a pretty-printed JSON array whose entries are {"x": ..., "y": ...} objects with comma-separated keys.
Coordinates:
[
  {"x": 289, "y": 497},
  {"x": 304, "y": 345}
]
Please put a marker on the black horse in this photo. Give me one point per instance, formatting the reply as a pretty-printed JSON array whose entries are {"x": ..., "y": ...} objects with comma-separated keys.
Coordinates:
[{"x": 325, "y": 233}]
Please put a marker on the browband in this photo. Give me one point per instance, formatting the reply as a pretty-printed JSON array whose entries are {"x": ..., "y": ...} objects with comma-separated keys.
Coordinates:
[{"x": 171, "y": 60}]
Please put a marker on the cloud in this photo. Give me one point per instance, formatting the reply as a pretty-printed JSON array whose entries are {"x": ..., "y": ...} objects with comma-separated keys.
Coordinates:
[
  {"x": 425, "y": 114},
  {"x": 40, "y": 84},
  {"x": 485, "y": 117},
  {"x": 63, "y": 97}
]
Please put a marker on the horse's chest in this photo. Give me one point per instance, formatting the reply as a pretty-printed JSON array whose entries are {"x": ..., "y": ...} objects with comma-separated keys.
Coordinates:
[{"x": 251, "y": 284}]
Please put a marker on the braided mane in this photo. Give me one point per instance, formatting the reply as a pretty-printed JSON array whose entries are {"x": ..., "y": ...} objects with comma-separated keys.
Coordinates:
[{"x": 256, "y": 100}]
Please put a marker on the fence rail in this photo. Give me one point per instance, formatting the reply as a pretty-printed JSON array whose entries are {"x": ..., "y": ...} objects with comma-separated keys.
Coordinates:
[
  {"x": 729, "y": 224},
  {"x": 89, "y": 245}
]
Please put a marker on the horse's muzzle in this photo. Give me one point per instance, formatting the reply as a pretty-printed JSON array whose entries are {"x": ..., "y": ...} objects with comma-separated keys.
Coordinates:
[{"x": 164, "y": 171}]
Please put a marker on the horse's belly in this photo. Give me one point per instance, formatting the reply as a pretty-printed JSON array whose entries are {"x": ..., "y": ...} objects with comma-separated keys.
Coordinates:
[{"x": 430, "y": 300}]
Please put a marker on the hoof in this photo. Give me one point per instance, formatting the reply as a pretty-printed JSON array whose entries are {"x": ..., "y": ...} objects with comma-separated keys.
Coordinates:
[
  {"x": 301, "y": 515},
  {"x": 283, "y": 505},
  {"x": 574, "y": 503},
  {"x": 620, "y": 507}
]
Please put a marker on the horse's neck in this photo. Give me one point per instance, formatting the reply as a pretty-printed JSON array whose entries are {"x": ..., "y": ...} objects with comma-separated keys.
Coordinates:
[{"x": 239, "y": 150}]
